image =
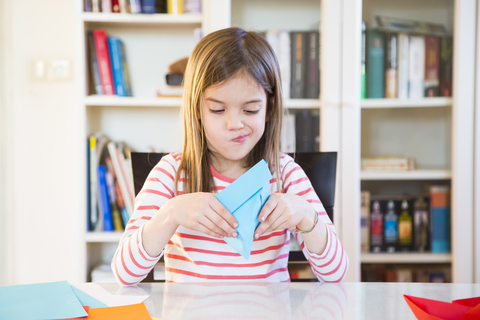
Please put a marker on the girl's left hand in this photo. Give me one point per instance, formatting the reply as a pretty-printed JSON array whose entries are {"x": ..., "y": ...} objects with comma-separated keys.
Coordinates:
[{"x": 282, "y": 211}]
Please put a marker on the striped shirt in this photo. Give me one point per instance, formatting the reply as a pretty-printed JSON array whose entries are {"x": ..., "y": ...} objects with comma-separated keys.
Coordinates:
[{"x": 192, "y": 256}]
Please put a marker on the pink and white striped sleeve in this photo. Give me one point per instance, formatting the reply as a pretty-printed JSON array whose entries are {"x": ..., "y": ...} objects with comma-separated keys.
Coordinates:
[
  {"x": 131, "y": 263},
  {"x": 332, "y": 264}
]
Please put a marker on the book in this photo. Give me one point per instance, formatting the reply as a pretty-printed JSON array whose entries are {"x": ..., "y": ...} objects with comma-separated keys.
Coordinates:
[
  {"x": 161, "y": 6},
  {"x": 94, "y": 71},
  {"x": 391, "y": 84},
  {"x": 148, "y": 6},
  {"x": 118, "y": 194},
  {"x": 192, "y": 6},
  {"x": 287, "y": 138},
  {"x": 126, "y": 73},
  {"x": 284, "y": 61},
  {"x": 299, "y": 64},
  {"x": 365, "y": 221},
  {"x": 117, "y": 66},
  {"x": 403, "y": 69},
  {"x": 313, "y": 69},
  {"x": 169, "y": 91},
  {"x": 104, "y": 201},
  {"x": 106, "y": 5},
  {"x": 134, "y": 6},
  {"x": 389, "y": 24},
  {"x": 115, "y": 6},
  {"x": 123, "y": 6},
  {"x": 445, "y": 66},
  {"x": 388, "y": 163},
  {"x": 440, "y": 218},
  {"x": 118, "y": 162},
  {"x": 92, "y": 178},
  {"x": 115, "y": 210},
  {"x": 416, "y": 67},
  {"x": 305, "y": 131},
  {"x": 363, "y": 79},
  {"x": 175, "y": 6},
  {"x": 98, "y": 154},
  {"x": 375, "y": 64},
  {"x": 87, "y": 5},
  {"x": 95, "y": 5},
  {"x": 105, "y": 69},
  {"x": 88, "y": 212},
  {"x": 432, "y": 52}
]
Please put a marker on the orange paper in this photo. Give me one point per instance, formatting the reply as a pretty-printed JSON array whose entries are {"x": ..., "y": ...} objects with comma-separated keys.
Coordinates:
[
  {"x": 134, "y": 311},
  {"x": 427, "y": 309}
]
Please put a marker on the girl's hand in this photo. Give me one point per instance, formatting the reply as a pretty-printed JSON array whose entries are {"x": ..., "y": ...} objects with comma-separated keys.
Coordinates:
[
  {"x": 283, "y": 211},
  {"x": 202, "y": 212}
]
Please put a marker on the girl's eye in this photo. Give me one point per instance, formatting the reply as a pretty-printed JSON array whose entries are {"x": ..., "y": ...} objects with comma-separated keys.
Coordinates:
[
  {"x": 216, "y": 111},
  {"x": 251, "y": 111}
]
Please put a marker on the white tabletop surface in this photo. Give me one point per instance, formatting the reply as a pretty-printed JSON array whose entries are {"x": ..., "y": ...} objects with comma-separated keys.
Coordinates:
[{"x": 310, "y": 300}]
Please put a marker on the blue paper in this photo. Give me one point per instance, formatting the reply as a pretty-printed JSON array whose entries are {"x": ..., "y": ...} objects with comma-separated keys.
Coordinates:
[
  {"x": 87, "y": 300},
  {"x": 244, "y": 198},
  {"x": 52, "y": 300}
]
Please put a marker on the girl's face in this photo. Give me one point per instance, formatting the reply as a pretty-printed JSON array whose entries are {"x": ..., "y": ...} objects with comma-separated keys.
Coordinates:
[{"x": 234, "y": 116}]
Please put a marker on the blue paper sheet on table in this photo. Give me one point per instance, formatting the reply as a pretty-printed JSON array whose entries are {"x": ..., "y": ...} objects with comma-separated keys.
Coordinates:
[
  {"x": 244, "y": 198},
  {"x": 53, "y": 300}
]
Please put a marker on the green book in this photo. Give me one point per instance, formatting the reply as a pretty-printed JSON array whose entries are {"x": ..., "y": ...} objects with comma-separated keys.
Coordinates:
[
  {"x": 375, "y": 64},
  {"x": 363, "y": 79}
]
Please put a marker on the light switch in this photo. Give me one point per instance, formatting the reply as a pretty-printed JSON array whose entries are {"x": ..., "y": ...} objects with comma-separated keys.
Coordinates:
[{"x": 59, "y": 70}]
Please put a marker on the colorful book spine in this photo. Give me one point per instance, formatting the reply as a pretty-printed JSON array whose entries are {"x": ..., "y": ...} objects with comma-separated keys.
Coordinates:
[
  {"x": 116, "y": 63},
  {"x": 122, "y": 177},
  {"x": 134, "y": 6},
  {"x": 105, "y": 69},
  {"x": 94, "y": 216},
  {"x": 365, "y": 221},
  {"x": 116, "y": 217},
  {"x": 107, "y": 6},
  {"x": 94, "y": 64},
  {"x": 375, "y": 64},
  {"x": 363, "y": 79},
  {"x": 125, "y": 71},
  {"x": 148, "y": 6},
  {"x": 95, "y": 5},
  {"x": 299, "y": 65},
  {"x": 87, "y": 5},
  {"x": 440, "y": 218},
  {"x": 104, "y": 200},
  {"x": 123, "y": 6},
  {"x": 313, "y": 70},
  {"x": 115, "y": 6},
  {"x": 432, "y": 52},
  {"x": 89, "y": 223},
  {"x": 403, "y": 53},
  {"x": 175, "y": 6},
  {"x": 416, "y": 67},
  {"x": 391, "y": 67},
  {"x": 446, "y": 55}
]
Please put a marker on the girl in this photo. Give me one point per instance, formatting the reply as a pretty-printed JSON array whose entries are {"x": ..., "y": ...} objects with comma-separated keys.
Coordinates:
[{"x": 232, "y": 109}]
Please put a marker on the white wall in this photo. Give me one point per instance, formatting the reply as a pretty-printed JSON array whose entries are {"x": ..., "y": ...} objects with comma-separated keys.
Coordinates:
[{"x": 39, "y": 146}]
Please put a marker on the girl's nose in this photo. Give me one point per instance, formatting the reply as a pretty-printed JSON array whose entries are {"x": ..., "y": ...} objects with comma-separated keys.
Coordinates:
[{"x": 234, "y": 122}]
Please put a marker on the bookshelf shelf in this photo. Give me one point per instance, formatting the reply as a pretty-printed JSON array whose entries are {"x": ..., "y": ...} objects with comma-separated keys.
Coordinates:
[
  {"x": 407, "y": 175},
  {"x": 302, "y": 103},
  {"x": 406, "y": 257},
  {"x": 195, "y": 19},
  {"x": 103, "y": 236},
  {"x": 115, "y": 101},
  {"x": 406, "y": 103}
]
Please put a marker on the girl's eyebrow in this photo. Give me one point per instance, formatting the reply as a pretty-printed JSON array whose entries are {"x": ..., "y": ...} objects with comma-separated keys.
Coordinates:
[{"x": 221, "y": 102}]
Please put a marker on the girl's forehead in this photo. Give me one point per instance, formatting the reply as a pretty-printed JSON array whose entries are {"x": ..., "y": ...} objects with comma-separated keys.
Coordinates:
[{"x": 241, "y": 79}]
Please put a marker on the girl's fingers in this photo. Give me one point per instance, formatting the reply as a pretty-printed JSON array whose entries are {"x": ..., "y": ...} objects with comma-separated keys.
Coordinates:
[
  {"x": 207, "y": 222},
  {"x": 267, "y": 208},
  {"x": 219, "y": 222},
  {"x": 230, "y": 221},
  {"x": 278, "y": 224},
  {"x": 262, "y": 227},
  {"x": 202, "y": 228}
]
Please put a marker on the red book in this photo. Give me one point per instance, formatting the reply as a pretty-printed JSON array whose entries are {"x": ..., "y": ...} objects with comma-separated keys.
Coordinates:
[
  {"x": 115, "y": 6},
  {"x": 103, "y": 60},
  {"x": 432, "y": 57}
]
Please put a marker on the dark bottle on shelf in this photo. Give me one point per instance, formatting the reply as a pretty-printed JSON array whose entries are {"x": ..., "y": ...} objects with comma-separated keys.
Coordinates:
[
  {"x": 391, "y": 227},
  {"x": 376, "y": 228}
]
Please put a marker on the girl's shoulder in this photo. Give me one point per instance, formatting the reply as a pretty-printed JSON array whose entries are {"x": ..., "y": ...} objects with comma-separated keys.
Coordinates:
[
  {"x": 287, "y": 163},
  {"x": 173, "y": 159}
]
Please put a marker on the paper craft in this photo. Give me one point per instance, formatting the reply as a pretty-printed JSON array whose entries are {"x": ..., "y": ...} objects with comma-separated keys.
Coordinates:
[
  {"x": 95, "y": 291},
  {"x": 244, "y": 198},
  {"x": 87, "y": 300},
  {"x": 427, "y": 309},
  {"x": 134, "y": 311},
  {"x": 52, "y": 300},
  {"x": 80, "y": 318}
]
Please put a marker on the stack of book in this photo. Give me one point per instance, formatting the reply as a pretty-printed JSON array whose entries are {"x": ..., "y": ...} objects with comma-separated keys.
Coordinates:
[
  {"x": 108, "y": 65},
  {"x": 109, "y": 184},
  {"x": 405, "y": 273},
  {"x": 406, "y": 224},
  {"x": 143, "y": 6},
  {"x": 406, "y": 59},
  {"x": 388, "y": 163}
]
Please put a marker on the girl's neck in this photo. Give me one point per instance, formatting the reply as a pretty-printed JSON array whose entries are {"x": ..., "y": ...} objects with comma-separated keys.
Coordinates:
[{"x": 232, "y": 169}]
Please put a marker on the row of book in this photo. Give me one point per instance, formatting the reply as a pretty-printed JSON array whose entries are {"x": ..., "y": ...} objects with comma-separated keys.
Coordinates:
[
  {"x": 143, "y": 6},
  {"x": 108, "y": 64},
  {"x": 405, "y": 273},
  {"x": 406, "y": 224},
  {"x": 109, "y": 184},
  {"x": 405, "y": 66},
  {"x": 298, "y": 54}
]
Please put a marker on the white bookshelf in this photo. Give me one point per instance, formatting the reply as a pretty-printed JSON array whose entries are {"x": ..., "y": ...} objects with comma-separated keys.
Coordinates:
[
  {"x": 407, "y": 175},
  {"x": 103, "y": 237},
  {"x": 152, "y": 19},
  {"x": 115, "y": 101},
  {"x": 414, "y": 258},
  {"x": 406, "y": 103}
]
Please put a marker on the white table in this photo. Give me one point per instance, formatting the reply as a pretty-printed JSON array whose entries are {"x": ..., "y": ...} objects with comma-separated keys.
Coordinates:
[{"x": 308, "y": 300}]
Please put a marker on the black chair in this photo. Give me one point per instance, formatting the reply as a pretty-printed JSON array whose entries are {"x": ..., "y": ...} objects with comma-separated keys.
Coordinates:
[{"x": 320, "y": 168}]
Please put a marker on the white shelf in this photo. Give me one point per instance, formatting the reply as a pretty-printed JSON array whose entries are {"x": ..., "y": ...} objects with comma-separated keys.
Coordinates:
[
  {"x": 115, "y": 101},
  {"x": 406, "y": 103},
  {"x": 406, "y": 257},
  {"x": 407, "y": 175},
  {"x": 302, "y": 103},
  {"x": 193, "y": 18},
  {"x": 103, "y": 237}
]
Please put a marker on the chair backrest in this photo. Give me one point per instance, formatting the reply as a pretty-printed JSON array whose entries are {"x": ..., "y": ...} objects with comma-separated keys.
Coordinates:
[{"x": 320, "y": 168}]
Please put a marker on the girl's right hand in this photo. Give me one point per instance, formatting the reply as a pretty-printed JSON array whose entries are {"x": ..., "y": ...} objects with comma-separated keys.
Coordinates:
[{"x": 202, "y": 212}]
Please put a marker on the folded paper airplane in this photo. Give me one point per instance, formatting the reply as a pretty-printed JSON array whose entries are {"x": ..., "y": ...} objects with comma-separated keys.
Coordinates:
[
  {"x": 427, "y": 309},
  {"x": 244, "y": 198}
]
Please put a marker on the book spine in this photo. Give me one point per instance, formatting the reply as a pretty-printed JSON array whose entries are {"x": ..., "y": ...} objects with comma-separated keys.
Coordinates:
[
  {"x": 403, "y": 53},
  {"x": 313, "y": 71},
  {"x": 285, "y": 62},
  {"x": 391, "y": 65},
  {"x": 116, "y": 63},
  {"x": 446, "y": 55},
  {"x": 121, "y": 177},
  {"x": 95, "y": 5},
  {"x": 135, "y": 6},
  {"x": 298, "y": 65},
  {"x": 440, "y": 219},
  {"x": 175, "y": 6},
  {"x": 432, "y": 53},
  {"x": 123, "y": 6},
  {"x": 103, "y": 59},
  {"x": 93, "y": 184},
  {"x": 363, "y": 79},
  {"x": 416, "y": 67},
  {"x": 305, "y": 137},
  {"x": 117, "y": 219},
  {"x": 107, "y": 6},
  {"x": 87, "y": 5},
  {"x": 104, "y": 200},
  {"x": 148, "y": 6},
  {"x": 89, "y": 223},
  {"x": 115, "y": 6},
  {"x": 161, "y": 6},
  {"x": 94, "y": 64},
  {"x": 126, "y": 74},
  {"x": 365, "y": 221},
  {"x": 287, "y": 139},
  {"x": 375, "y": 64}
]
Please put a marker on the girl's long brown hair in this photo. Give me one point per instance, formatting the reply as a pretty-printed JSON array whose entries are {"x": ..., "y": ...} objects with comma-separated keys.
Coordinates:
[{"x": 215, "y": 59}]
